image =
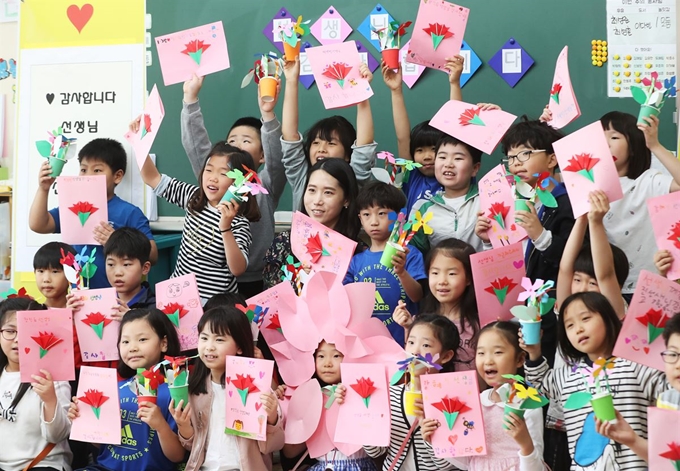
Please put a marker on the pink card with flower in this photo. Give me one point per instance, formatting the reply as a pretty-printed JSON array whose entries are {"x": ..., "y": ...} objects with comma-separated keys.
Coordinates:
[
  {"x": 336, "y": 71},
  {"x": 83, "y": 205},
  {"x": 479, "y": 128},
  {"x": 664, "y": 439},
  {"x": 453, "y": 399},
  {"x": 664, "y": 211},
  {"x": 497, "y": 202},
  {"x": 655, "y": 301},
  {"x": 562, "y": 102},
  {"x": 364, "y": 417},
  {"x": 201, "y": 51},
  {"x": 46, "y": 343},
  {"x": 245, "y": 380},
  {"x": 438, "y": 33},
  {"x": 99, "y": 407},
  {"x": 178, "y": 298},
  {"x": 498, "y": 274},
  {"x": 97, "y": 331},
  {"x": 587, "y": 165},
  {"x": 152, "y": 117}
]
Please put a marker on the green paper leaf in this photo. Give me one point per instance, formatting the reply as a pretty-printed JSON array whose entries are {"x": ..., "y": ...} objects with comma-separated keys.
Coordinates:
[
  {"x": 97, "y": 411},
  {"x": 244, "y": 395},
  {"x": 547, "y": 306},
  {"x": 451, "y": 419},
  {"x": 88, "y": 270},
  {"x": 83, "y": 217},
  {"x": 181, "y": 379},
  {"x": 578, "y": 400},
  {"x": 98, "y": 329},
  {"x": 341, "y": 82},
  {"x": 44, "y": 148},
  {"x": 366, "y": 400},
  {"x": 556, "y": 98},
  {"x": 639, "y": 95},
  {"x": 517, "y": 378},
  {"x": 525, "y": 313},
  {"x": 396, "y": 377},
  {"x": 476, "y": 120},
  {"x": 653, "y": 332},
  {"x": 174, "y": 318},
  {"x": 588, "y": 174},
  {"x": 501, "y": 222},
  {"x": 501, "y": 294},
  {"x": 330, "y": 392},
  {"x": 43, "y": 352},
  {"x": 196, "y": 56},
  {"x": 531, "y": 404},
  {"x": 547, "y": 199},
  {"x": 437, "y": 40}
]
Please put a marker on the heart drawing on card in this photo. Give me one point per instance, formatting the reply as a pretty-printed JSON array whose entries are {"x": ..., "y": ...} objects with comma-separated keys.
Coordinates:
[
  {"x": 27, "y": 350},
  {"x": 646, "y": 350},
  {"x": 257, "y": 406},
  {"x": 479, "y": 449},
  {"x": 228, "y": 379},
  {"x": 518, "y": 264},
  {"x": 261, "y": 374},
  {"x": 80, "y": 16},
  {"x": 50, "y": 98},
  {"x": 453, "y": 439},
  {"x": 230, "y": 393}
]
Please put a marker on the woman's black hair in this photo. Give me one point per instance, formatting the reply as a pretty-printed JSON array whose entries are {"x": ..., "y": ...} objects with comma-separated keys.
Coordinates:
[
  {"x": 445, "y": 331},
  {"x": 237, "y": 160},
  {"x": 8, "y": 307},
  {"x": 639, "y": 156},
  {"x": 325, "y": 128},
  {"x": 461, "y": 251},
  {"x": 672, "y": 327},
  {"x": 348, "y": 223},
  {"x": 510, "y": 332},
  {"x": 160, "y": 324},
  {"x": 227, "y": 320},
  {"x": 584, "y": 263},
  {"x": 423, "y": 135},
  {"x": 598, "y": 304}
]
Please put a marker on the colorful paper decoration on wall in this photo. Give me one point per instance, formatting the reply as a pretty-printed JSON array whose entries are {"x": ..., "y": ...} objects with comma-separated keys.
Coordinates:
[
  {"x": 378, "y": 18},
  {"x": 471, "y": 65},
  {"x": 410, "y": 73},
  {"x": 331, "y": 27},
  {"x": 282, "y": 18},
  {"x": 511, "y": 62},
  {"x": 366, "y": 56}
]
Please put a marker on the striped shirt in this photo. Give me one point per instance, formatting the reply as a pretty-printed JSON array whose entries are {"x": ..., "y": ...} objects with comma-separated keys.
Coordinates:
[
  {"x": 201, "y": 251},
  {"x": 424, "y": 455},
  {"x": 635, "y": 387}
]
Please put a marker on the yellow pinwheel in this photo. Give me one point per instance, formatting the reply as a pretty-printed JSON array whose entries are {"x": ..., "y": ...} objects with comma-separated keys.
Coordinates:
[
  {"x": 527, "y": 393},
  {"x": 421, "y": 222}
]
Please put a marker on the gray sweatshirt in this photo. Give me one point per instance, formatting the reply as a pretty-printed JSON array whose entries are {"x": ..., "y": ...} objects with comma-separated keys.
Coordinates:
[{"x": 197, "y": 145}]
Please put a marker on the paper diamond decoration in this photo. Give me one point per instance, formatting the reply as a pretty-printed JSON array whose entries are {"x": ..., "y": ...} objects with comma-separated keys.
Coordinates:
[
  {"x": 306, "y": 75},
  {"x": 281, "y": 18},
  {"x": 366, "y": 56},
  {"x": 378, "y": 18},
  {"x": 410, "y": 73},
  {"x": 472, "y": 63},
  {"x": 511, "y": 62},
  {"x": 331, "y": 27}
]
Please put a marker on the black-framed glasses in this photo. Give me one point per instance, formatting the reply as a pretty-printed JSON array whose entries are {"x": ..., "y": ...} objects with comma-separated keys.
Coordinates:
[
  {"x": 670, "y": 357},
  {"x": 9, "y": 334},
  {"x": 522, "y": 156}
]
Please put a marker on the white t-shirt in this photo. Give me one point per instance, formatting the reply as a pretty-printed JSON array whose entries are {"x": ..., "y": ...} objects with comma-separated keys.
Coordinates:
[
  {"x": 628, "y": 224},
  {"x": 455, "y": 203},
  {"x": 222, "y": 453}
]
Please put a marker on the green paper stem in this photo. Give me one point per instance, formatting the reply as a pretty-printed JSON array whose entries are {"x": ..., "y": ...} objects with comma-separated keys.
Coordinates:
[
  {"x": 174, "y": 318},
  {"x": 588, "y": 174},
  {"x": 341, "y": 82},
  {"x": 366, "y": 400},
  {"x": 501, "y": 222},
  {"x": 477, "y": 120},
  {"x": 653, "y": 332},
  {"x": 83, "y": 217},
  {"x": 437, "y": 40},
  {"x": 98, "y": 329},
  {"x": 43, "y": 352},
  {"x": 501, "y": 294},
  {"x": 244, "y": 395},
  {"x": 556, "y": 98},
  {"x": 97, "y": 411},
  {"x": 196, "y": 56},
  {"x": 450, "y": 419}
]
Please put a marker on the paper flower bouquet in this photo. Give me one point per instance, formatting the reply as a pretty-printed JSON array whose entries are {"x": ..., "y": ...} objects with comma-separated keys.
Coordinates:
[
  {"x": 538, "y": 304},
  {"x": 243, "y": 185},
  {"x": 291, "y": 34},
  {"x": 57, "y": 149},
  {"x": 518, "y": 396},
  {"x": 79, "y": 268},
  {"x": 403, "y": 230},
  {"x": 390, "y": 41},
  {"x": 410, "y": 366},
  {"x": 524, "y": 193},
  {"x": 266, "y": 72},
  {"x": 598, "y": 392},
  {"x": 399, "y": 169},
  {"x": 652, "y": 95}
]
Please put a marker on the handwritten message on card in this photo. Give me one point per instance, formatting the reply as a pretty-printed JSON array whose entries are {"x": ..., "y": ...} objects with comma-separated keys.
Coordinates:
[
  {"x": 246, "y": 379},
  {"x": 178, "y": 298},
  {"x": 496, "y": 200}
]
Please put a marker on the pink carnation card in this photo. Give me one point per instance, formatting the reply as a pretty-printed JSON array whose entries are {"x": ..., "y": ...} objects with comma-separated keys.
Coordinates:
[
  {"x": 46, "y": 343},
  {"x": 497, "y": 202},
  {"x": 587, "y": 165},
  {"x": 453, "y": 399},
  {"x": 664, "y": 439},
  {"x": 83, "y": 205},
  {"x": 178, "y": 298},
  {"x": 97, "y": 331},
  {"x": 498, "y": 276},
  {"x": 99, "y": 407},
  {"x": 201, "y": 51},
  {"x": 664, "y": 211},
  {"x": 655, "y": 301},
  {"x": 152, "y": 117},
  {"x": 562, "y": 102}
]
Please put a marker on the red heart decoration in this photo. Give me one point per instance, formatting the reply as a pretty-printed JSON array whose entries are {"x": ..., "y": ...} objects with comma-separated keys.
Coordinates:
[
  {"x": 513, "y": 228},
  {"x": 80, "y": 16},
  {"x": 518, "y": 264},
  {"x": 27, "y": 350},
  {"x": 257, "y": 406},
  {"x": 453, "y": 439},
  {"x": 646, "y": 349},
  {"x": 479, "y": 449},
  {"x": 627, "y": 340}
]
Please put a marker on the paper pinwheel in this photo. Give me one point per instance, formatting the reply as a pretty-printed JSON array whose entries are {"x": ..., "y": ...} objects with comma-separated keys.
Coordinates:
[
  {"x": 71, "y": 268},
  {"x": 398, "y": 173},
  {"x": 520, "y": 389},
  {"x": 244, "y": 385},
  {"x": 175, "y": 312},
  {"x": 451, "y": 407},
  {"x": 292, "y": 32},
  {"x": 500, "y": 287},
  {"x": 146, "y": 128},
  {"x": 388, "y": 157},
  {"x": 438, "y": 32},
  {"x": 337, "y": 71},
  {"x": 421, "y": 222},
  {"x": 582, "y": 164},
  {"x": 672, "y": 454},
  {"x": 653, "y": 93},
  {"x": 499, "y": 211},
  {"x": 315, "y": 248},
  {"x": 403, "y": 229},
  {"x": 538, "y": 303},
  {"x": 83, "y": 210},
  {"x": 471, "y": 116},
  {"x": 243, "y": 184},
  {"x": 413, "y": 363},
  {"x": 390, "y": 36},
  {"x": 364, "y": 388},
  {"x": 675, "y": 235},
  {"x": 195, "y": 49},
  {"x": 12, "y": 293},
  {"x": 57, "y": 146},
  {"x": 268, "y": 65},
  {"x": 95, "y": 399},
  {"x": 86, "y": 262},
  {"x": 555, "y": 92},
  {"x": 97, "y": 321},
  {"x": 655, "y": 321},
  {"x": 46, "y": 341}
]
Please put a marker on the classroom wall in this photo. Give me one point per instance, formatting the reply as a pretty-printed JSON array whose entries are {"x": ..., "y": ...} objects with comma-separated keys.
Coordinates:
[{"x": 8, "y": 50}]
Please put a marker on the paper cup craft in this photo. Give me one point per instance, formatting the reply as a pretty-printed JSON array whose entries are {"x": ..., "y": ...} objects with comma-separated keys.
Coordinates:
[
  {"x": 266, "y": 72},
  {"x": 145, "y": 385},
  {"x": 652, "y": 95},
  {"x": 538, "y": 304},
  {"x": 79, "y": 268},
  {"x": 177, "y": 377},
  {"x": 403, "y": 230},
  {"x": 390, "y": 39},
  {"x": 57, "y": 149},
  {"x": 519, "y": 395},
  {"x": 243, "y": 185},
  {"x": 291, "y": 34},
  {"x": 409, "y": 367},
  {"x": 399, "y": 169},
  {"x": 525, "y": 193},
  {"x": 598, "y": 392}
]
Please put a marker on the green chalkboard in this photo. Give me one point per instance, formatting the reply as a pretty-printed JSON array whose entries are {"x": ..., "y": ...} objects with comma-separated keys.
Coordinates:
[{"x": 542, "y": 27}]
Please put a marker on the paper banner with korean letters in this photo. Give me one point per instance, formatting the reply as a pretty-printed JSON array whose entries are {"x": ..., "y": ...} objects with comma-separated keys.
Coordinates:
[
  {"x": 453, "y": 399},
  {"x": 99, "y": 407},
  {"x": 46, "y": 343},
  {"x": 152, "y": 117},
  {"x": 664, "y": 211},
  {"x": 498, "y": 276},
  {"x": 97, "y": 331},
  {"x": 655, "y": 301},
  {"x": 562, "y": 102},
  {"x": 586, "y": 164},
  {"x": 178, "y": 298},
  {"x": 496, "y": 200},
  {"x": 364, "y": 417},
  {"x": 83, "y": 205},
  {"x": 410, "y": 72},
  {"x": 246, "y": 379},
  {"x": 331, "y": 27},
  {"x": 664, "y": 439}
]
